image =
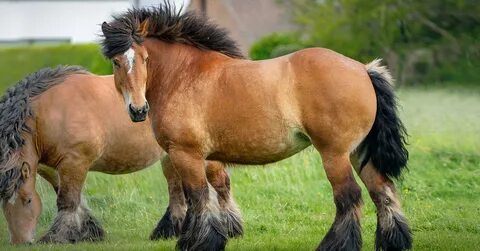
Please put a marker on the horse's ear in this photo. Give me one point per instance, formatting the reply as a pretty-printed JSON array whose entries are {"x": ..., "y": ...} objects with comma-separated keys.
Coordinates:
[
  {"x": 26, "y": 171},
  {"x": 105, "y": 27},
  {"x": 143, "y": 28}
]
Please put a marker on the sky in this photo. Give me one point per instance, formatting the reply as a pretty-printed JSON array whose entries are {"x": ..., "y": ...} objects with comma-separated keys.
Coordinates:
[{"x": 155, "y": 2}]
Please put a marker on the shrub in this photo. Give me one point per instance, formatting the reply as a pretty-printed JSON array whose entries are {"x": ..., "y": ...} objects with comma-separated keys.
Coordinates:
[{"x": 276, "y": 44}]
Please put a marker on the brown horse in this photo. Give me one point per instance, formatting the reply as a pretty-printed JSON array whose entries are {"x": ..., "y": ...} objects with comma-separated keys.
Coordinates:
[
  {"x": 72, "y": 122},
  {"x": 208, "y": 103}
]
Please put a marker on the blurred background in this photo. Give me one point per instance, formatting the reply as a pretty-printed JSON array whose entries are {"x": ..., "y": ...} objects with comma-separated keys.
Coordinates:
[
  {"x": 422, "y": 41},
  {"x": 431, "y": 46}
]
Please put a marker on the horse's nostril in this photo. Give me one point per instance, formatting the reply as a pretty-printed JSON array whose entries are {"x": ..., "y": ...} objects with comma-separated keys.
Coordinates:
[
  {"x": 130, "y": 107},
  {"x": 141, "y": 110}
]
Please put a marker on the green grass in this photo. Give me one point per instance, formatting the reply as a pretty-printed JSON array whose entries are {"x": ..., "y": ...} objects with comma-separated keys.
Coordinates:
[{"x": 289, "y": 205}]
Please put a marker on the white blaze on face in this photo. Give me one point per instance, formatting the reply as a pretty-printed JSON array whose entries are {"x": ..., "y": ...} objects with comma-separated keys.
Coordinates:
[
  {"x": 130, "y": 54},
  {"x": 126, "y": 98}
]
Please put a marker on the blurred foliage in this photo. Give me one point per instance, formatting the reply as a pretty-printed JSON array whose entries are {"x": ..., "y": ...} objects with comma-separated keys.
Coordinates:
[
  {"x": 274, "y": 45},
  {"x": 16, "y": 63},
  {"x": 420, "y": 40}
]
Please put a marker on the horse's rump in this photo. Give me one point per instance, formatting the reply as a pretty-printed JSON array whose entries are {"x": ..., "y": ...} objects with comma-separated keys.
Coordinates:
[{"x": 15, "y": 110}]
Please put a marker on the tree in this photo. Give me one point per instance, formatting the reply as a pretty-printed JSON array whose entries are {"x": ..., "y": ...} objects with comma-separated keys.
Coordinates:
[{"x": 448, "y": 30}]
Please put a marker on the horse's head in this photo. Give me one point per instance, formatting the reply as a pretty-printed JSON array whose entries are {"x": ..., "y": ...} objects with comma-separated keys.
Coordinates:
[
  {"x": 129, "y": 59},
  {"x": 23, "y": 209},
  {"x": 130, "y": 74}
]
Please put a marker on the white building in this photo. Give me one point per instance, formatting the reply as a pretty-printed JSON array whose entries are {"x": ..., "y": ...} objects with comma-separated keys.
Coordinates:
[{"x": 60, "y": 21}]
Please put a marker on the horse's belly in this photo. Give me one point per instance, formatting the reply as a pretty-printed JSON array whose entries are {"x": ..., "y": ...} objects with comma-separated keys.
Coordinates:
[
  {"x": 262, "y": 149},
  {"x": 127, "y": 160}
]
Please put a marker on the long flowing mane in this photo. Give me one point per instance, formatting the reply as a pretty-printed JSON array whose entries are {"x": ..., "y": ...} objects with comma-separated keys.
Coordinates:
[
  {"x": 167, "y": 24},
  {"x": 15, "y": 110}
]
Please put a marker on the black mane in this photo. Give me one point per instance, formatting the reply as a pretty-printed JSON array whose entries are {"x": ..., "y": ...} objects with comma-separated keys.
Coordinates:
[{"x": 167, "y": 24}]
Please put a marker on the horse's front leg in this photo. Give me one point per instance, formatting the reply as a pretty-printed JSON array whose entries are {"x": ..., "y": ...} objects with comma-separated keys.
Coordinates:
[
  {"x": 73, "y": 222},
  {"x": 171, "y": 222},
  {"x": 204, "y": 228}
]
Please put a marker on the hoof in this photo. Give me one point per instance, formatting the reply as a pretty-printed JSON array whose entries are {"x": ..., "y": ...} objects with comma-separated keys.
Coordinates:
[
  {"x": 50, "y": 237},
  {"x": 73, "y": 227},
  {"x": 91, "y": 230},
  {"x": 395, "y": 238},
  {"x": 165, "y": 228},
  {"x": 344, "y": 235},
  {"x": 204, "y": 231}
]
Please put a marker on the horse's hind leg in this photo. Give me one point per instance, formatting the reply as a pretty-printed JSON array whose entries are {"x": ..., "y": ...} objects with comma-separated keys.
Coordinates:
[
  {"x": 171, "y": 222},
  {"x": 73, "y": 222},
  {"x": 393, "y": 232},
  {"x": 345, "y": 232},
  {"x": 218, "y": 178}
]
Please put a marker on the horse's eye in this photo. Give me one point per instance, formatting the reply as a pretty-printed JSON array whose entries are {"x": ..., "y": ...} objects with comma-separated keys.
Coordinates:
[
  {"x": 145, "y": 60},
  {"x": 116, "y": 63}
]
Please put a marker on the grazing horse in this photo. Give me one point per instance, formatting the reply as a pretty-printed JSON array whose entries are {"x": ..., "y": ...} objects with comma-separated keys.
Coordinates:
[
  {"x": 209, "y": 103},
  {"x": 71, "y": 122}
]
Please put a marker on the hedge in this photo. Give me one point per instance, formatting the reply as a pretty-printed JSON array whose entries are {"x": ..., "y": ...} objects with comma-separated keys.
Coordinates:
[
  {"x": 275, "y": 45},
  {"x": 16, "y": 63}
]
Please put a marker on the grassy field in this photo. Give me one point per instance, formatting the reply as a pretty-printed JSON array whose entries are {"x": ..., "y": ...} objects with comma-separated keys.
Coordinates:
[{"x": 289, "y": 205}]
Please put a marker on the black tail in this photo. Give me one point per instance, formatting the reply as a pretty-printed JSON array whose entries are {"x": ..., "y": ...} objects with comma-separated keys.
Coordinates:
[
  {"x": 15, "y": 110},
  {"x": 385, "y": 143}
]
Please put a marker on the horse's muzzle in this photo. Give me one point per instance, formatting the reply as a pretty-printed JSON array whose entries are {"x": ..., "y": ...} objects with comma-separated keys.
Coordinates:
[{"x": 138, "y": 114}]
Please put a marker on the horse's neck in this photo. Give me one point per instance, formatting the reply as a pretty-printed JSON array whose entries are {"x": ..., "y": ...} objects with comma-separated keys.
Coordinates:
[{"x": 174, "y": 65}]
